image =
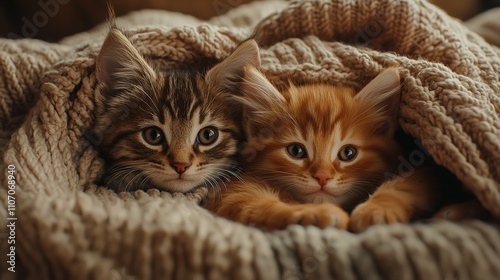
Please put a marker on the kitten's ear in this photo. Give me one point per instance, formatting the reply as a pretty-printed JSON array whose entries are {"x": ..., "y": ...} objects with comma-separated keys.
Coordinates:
[
  {"x": 383, "y": 94},
  {"x": 229, "y": 72},
  {"x": 119, "y": 64},
  {"x": 258, "y": 93},
  {"x": 262, "y": 102}
]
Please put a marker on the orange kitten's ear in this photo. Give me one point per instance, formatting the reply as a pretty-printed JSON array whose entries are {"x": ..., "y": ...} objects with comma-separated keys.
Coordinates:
[
  {"x": 227, "y": 74},
  {"x": 119, "y": 65},
  {"x": 262, "y": 102},
  {"x": 383, "y": 94},
  {"x": 258, "y": 93}
]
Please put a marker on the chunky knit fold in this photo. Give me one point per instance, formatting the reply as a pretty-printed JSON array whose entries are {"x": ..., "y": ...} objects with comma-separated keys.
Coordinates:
[{"x": 69, "y": 227}]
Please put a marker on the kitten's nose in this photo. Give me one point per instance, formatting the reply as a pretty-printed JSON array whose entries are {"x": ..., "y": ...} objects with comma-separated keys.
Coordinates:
[
  {"x": 180, "y": 167},
  {"x": 322, "y": 178}
]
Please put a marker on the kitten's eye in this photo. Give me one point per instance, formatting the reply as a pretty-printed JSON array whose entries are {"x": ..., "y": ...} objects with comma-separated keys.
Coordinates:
[
  {"x": 347, "y": 153},
  {"x": 207, "y": 135},
  {"x": 152, "y": 135},
  {"x": 296, "y": 151}
]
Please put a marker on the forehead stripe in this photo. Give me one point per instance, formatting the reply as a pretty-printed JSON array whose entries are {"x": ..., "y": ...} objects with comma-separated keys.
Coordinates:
[
  {"x": 193, "y": 108},
  {"x": 170, "y": 110}
]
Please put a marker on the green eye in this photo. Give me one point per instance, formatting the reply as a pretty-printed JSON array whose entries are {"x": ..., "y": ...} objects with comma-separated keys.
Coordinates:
[
  {"x": 207, "y": 135},
  {"x": 347, "y": 153},
  {"x": 152, "y": 135},
  {"x": 296, "y": 151}
]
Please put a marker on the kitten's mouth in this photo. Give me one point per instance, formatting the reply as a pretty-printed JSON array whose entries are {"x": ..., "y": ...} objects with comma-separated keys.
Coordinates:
[
  {"x": 182, "y": 178},
  {"x": 179, "y": 184},
  {"x": 322, "y": 192},
  {"x": 325, "y": 192}
]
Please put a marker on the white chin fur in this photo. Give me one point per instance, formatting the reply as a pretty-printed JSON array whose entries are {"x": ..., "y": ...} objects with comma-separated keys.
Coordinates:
[
  {"x": 321, "y": 198},
  {"x": 177, "y": 185}
]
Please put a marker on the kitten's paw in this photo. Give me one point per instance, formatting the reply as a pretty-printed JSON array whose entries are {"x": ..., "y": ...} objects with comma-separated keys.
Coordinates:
[
  {"x": 320, "y": 215},
  {"x": 373, "y": 212},
  {"x": 462, "y": 211}
]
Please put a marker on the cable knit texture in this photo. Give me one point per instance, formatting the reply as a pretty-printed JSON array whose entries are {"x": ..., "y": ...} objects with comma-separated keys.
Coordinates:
[{"x": 69, "y": 228}]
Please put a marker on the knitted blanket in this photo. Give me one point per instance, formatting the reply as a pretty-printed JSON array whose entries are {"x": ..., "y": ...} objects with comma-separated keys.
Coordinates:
[{"x": 64, "y": 226}]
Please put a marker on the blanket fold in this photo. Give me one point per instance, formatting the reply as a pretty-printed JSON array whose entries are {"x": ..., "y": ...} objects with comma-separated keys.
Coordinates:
[{"x": 68, "y": 227}]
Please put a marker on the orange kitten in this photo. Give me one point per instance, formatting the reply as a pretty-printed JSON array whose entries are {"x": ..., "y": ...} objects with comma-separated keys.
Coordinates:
[{"x": 315, "y": 152}]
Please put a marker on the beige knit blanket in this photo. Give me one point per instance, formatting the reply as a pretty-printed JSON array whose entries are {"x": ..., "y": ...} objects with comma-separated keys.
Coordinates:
[{"x": 69, "y": 228}]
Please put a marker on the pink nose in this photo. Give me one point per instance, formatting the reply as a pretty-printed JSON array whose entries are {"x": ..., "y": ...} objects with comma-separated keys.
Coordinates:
[
  {"x": 322, "y": 178},
  {"x": 180, "y": 167}
]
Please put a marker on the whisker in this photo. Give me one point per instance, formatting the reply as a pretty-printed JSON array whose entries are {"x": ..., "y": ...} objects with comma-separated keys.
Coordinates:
[{"x": 132, "y": 181}]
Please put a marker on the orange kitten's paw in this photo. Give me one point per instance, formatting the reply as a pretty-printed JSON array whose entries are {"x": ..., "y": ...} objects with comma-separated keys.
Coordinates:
[
  {"x": 373, "y": 212},
  {"x": 320, "y": 215},
  {"x": 461, "y": 211}
]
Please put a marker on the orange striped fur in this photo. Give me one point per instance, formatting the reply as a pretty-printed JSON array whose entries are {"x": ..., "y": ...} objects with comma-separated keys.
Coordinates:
[{"x": 316, "y": 152}]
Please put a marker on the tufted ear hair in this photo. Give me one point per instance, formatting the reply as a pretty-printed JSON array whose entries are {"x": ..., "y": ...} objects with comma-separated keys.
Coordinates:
[
  {"x": 259, "y": 95},
  {"x": 227, "y": 74},
  {"x": 119, "y": 65},
  {"x": 260, "y": 100},
  {"x": 383, "y": 95}
]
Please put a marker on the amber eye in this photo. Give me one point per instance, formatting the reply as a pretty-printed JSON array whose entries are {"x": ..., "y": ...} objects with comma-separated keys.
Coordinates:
[
  {"x": 296, "y": 151},
  {"x": 152, "y": 135},
  {"x": 347, "y": 153},
  {"x": 207, "y": 135}
]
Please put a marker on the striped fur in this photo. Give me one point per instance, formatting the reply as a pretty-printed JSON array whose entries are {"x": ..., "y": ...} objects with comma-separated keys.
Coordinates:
[
  {"x": 315, "y": 152},
  {"x": 153, "y": 121},
  {"x": 323, "y": 119}
]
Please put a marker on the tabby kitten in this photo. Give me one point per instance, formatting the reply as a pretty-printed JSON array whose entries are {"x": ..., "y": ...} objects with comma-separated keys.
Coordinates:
[
  {"x": 171, "y": 129},
  {"x": 315, "y": 152}
]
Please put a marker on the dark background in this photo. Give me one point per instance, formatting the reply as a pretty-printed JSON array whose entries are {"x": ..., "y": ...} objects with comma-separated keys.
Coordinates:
[{"x": 53, "y": 19}]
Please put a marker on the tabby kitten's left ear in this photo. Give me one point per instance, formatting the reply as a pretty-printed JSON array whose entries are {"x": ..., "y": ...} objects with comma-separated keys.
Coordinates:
[
  {"x": 383, "y": 95},
  {"x": 226, "y": 75},
  {"x": 119, "y": 65}
]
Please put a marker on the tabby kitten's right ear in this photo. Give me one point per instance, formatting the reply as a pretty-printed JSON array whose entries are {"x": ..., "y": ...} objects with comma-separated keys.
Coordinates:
[{"x": 120, "y": 66}]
